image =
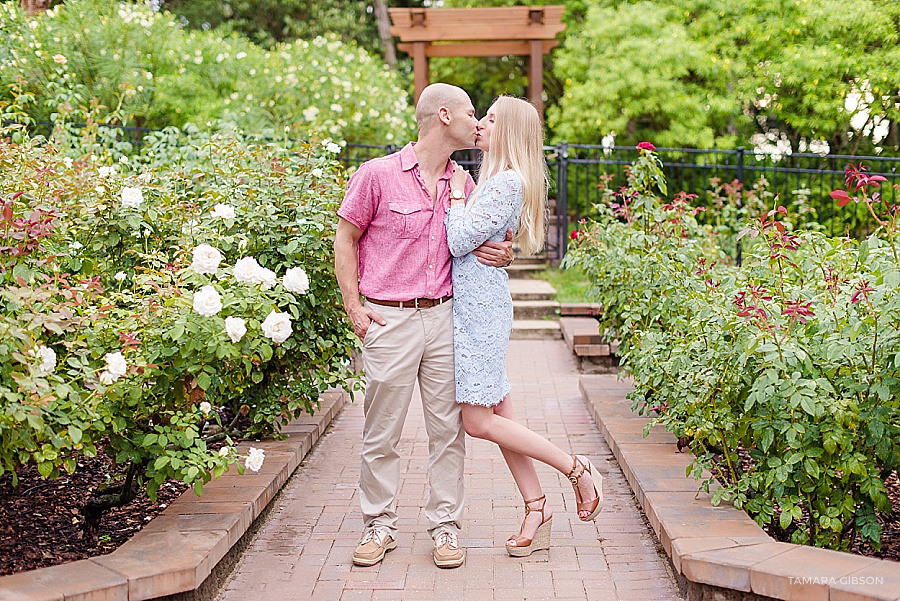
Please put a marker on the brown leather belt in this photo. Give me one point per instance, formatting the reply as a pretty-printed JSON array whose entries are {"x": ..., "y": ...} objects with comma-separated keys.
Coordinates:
[{"x": 416, "y": 303}]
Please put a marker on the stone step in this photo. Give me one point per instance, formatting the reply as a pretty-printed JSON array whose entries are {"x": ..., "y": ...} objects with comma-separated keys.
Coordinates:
[
  {"x": 524, "y": 270},
  {"x": 580, "y": 330},
  {"x": 535, "y": 329},
  {"x": 531, "y": 260},
  {"x": 537, "y": 309},
  {"x": 579, "y": 309},
  {"x": 531, "y": 290}
]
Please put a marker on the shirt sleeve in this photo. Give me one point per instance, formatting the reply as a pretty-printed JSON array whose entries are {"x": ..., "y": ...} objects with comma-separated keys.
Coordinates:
[
  {"x": 360, "y": 201},
  {"x": 496, "y": 203}
]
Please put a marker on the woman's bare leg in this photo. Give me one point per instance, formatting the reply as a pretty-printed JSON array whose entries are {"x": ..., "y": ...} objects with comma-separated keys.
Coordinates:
[
  {"x": 483, "y": 422},
  {"x": 523, "y": 472}
]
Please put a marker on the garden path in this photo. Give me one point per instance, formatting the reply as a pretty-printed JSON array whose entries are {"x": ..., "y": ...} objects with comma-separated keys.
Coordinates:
[{"x": 304, "y": 549}]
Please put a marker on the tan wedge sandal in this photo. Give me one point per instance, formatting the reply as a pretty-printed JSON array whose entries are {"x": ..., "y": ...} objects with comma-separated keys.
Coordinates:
[
  {"x": 519, "y": 546},
  {"x": 593, "y": 506}
]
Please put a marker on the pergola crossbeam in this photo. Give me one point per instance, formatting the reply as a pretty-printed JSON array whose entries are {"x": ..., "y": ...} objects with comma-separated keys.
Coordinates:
[{"x": 501, "y": 31}]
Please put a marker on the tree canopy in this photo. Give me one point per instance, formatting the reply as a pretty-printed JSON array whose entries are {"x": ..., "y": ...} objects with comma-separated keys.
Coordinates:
[{"x": 817, "y": 74}]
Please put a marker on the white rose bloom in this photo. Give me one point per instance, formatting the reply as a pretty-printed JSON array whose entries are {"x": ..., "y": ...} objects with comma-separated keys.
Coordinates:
[
  {"x": 333, "y": 148},
  {"x": 68, "y": 162},
  {"x": 106, "y": 171},
  {"x": 295, "y": 280},
  {"x": 48, "y": 359},
  {"x": 207, "y": 301},
  {"x": 245, "y": 270},
  {"x": 132, "y": 198},
  {"x": 115, "y": 368},
  {"x": 277, "y": 326},
  {"x": 205, "y": 407},
  {"x": 235, "y": 327},
  {"x": 255, "y": 458},
  {"x": 145, "y": 178},
  {"x": 206, "y": 259},
  {"x": 317, "y": 172},
  {"x": 120, "y": 276},
  {"x": 224, "y": 211},
  {"x": 223, "y": 452},
  {"x": 266, "y": 278}
]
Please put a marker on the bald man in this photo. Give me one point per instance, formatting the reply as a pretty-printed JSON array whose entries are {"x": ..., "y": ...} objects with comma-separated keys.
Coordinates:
[{"x": 391, "y": 249}]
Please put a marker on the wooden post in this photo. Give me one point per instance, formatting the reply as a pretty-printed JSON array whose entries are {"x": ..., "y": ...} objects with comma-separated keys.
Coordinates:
[
  {"x": 420, "y": 69},
  {"x": 536, "y": 76}
]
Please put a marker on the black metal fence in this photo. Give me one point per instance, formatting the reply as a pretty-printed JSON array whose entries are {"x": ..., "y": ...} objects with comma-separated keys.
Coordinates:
[
  {"x": 581, "y": 176},
  {"x": 800, "y": 182}
]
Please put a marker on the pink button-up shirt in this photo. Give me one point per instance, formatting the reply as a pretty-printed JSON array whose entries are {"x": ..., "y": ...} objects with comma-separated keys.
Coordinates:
[{"x": 403, "y": 251}]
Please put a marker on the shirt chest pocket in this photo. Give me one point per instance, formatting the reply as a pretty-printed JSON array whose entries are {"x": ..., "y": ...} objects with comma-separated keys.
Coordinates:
[{"x": 408, "y": 220}]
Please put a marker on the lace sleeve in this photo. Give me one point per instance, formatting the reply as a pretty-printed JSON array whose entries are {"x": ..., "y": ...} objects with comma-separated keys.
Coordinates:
[{"x": 494, "y": 206}]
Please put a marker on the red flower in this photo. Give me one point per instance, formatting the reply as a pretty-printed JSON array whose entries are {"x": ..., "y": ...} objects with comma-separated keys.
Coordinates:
[
  {"x": 574, "y": 234},
  {"x": 646, "y": 146}
]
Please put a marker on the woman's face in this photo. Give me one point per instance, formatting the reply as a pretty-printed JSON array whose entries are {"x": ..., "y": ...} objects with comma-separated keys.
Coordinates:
[{"x": 483, "y": 137}]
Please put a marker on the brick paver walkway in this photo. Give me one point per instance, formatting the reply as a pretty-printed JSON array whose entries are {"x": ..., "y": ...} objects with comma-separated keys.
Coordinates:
[{"x": 304, "y": 549}]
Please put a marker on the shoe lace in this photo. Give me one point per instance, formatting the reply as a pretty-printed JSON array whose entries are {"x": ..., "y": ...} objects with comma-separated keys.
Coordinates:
[
  {"x": 448, "y": 538},
  {"x": 373, "y": 535}
]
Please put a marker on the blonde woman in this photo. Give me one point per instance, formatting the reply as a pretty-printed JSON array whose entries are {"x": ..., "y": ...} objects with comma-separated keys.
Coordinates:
[{"x": 511, "y": 194}]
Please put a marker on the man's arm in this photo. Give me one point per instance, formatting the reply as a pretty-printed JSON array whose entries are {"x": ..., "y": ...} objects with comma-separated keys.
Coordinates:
[
  {"x": 496, "y": 254},
  {"x": 346, "y": 268}
]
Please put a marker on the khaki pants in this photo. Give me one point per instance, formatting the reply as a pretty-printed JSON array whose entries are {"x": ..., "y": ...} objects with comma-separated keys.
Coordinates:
[{"x": 415, "y": 345}]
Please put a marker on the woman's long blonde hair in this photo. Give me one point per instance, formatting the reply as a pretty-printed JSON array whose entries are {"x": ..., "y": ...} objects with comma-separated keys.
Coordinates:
[{"x": 517, "y": 143}]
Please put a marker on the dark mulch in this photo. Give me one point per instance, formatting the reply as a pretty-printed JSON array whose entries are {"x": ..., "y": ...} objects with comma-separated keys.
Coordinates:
[
  {"x": 890, "y": 522},
  {"x": 40, "y": 521}
]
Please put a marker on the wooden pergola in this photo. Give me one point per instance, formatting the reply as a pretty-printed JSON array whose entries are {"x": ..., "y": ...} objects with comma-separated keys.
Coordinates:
[{"x": 507, "y": 31}]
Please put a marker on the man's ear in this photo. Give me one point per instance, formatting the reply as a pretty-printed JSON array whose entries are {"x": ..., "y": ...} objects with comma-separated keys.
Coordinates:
[{"x": 444, "y": 115}]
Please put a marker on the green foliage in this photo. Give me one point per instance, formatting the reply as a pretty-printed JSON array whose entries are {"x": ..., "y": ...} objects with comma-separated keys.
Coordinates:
[
  {"x": 644, "y": 77},
  {"x": 103, "y": 335},
  {"x": 571, "y": 285},
  {"x": 144, "y": 69},
  {"x": 269, "y": 22},
  {"x": 791, "y": 357},
  {"x": 691, "y": 73}
]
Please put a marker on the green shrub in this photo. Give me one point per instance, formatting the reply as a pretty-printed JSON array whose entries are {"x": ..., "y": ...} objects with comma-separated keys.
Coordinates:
[
  {"x": 118, "y": 282},
  {"x": 791, "y": 357},
  {"x": 145, "y": 70}
]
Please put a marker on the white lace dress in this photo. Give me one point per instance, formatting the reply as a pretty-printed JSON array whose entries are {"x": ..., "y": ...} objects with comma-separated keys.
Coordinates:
[{"x": 482, "y": 307}]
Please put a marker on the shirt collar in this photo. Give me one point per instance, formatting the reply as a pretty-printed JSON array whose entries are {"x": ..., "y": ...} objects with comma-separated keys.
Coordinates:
[
  {"x": 408, "y": 158},
  {"x": 408, "y": 161}
]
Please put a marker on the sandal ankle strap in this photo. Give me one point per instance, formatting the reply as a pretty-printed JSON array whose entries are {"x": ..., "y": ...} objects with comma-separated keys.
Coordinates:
[
  {"x": 572, "y": 476},
  {"x": 541, "y": 509}
]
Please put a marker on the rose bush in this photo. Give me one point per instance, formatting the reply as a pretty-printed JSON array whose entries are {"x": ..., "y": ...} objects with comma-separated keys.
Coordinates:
[
  {"x": 130, "y": 323},
  {"x": 790, "y": 358},
  {"x": 139, "y": 66}
]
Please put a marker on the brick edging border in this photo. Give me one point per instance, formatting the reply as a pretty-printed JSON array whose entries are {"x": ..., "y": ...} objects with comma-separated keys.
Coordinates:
[
  {"x": 181, "y": 547},
  {"x": 719, "y": 551}
]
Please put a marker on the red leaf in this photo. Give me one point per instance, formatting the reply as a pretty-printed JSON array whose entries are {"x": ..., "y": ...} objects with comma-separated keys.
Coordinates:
[{"x": 839, "y": 195}]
